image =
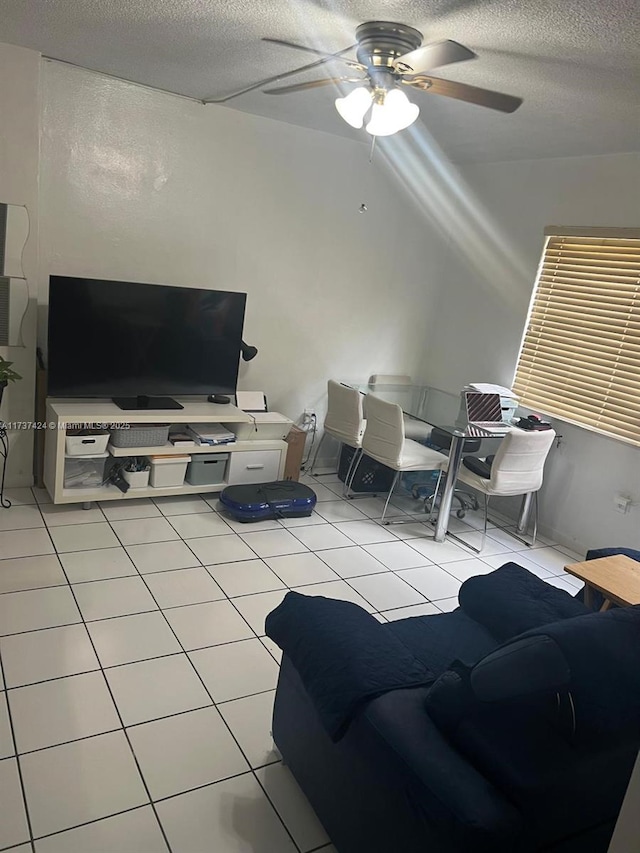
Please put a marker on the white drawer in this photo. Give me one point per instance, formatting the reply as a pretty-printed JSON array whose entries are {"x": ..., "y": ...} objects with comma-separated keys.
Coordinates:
[{"x": 253, "y": 466}]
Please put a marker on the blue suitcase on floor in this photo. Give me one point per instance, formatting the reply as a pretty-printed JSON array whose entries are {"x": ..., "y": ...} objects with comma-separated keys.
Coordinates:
[{"x": 281, "y": 499}]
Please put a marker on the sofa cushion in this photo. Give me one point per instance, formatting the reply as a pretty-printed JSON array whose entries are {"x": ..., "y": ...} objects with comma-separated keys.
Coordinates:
[
  {"x": 343, "y": 655},
  {"x": 512, "y": 600}
]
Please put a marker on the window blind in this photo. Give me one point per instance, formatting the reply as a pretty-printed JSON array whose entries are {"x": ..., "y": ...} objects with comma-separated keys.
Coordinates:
[{"x": 580, "y": 355}]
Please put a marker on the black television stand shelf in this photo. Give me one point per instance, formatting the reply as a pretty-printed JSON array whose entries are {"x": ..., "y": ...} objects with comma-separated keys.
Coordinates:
[{"x": 142, "y": 403}]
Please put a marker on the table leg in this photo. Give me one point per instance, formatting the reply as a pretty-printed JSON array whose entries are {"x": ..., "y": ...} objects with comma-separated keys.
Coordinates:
[
  {"x": 455, "y": 458},
  {"x": 588, "y": 597},
  {"x": 606, "y": 605}
]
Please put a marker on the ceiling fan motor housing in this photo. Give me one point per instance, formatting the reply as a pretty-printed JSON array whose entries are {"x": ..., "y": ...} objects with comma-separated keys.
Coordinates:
[{"x": 382, "y": 42}]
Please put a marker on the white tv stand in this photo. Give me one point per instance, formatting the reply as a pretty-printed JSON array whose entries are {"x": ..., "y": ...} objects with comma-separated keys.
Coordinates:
[{"x": 252, "y": 461}]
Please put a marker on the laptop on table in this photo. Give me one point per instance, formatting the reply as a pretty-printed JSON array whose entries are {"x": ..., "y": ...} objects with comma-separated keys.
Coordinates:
[{"x": 484, "y": 411}]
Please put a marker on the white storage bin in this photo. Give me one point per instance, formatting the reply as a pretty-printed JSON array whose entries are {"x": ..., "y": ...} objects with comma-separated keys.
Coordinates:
[
  {"x": 137, "y": 479},
  {"x": 84, "y": 472},
  {"x": 167, "y": 471},
  {"x": 89, "y": 444},
  {"x": 265, "y": 425}
]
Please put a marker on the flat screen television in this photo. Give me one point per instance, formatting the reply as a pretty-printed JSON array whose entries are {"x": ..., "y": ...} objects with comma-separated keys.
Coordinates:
[{"x": 129, "y": 340}]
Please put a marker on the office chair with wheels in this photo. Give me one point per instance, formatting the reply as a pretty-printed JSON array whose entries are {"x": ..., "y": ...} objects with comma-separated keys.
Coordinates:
[
  {"x": 384, "y": 440},
  {"x": 413, "y": 428},
  {"x": 344, "y": 421},
  {"x": 516, "y": 469}
]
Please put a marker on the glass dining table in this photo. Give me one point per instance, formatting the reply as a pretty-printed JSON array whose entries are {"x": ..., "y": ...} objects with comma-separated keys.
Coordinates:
[{"x": 441, "y": 409}]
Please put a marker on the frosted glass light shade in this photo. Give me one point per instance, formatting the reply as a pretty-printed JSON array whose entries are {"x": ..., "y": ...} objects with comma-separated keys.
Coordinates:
[
  {"x": 354, "y": 106},
  {"x": 396, "y": 113}
]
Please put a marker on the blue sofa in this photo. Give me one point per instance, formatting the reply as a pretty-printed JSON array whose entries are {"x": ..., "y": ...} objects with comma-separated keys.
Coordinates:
[{"x": 510, "y": 725}]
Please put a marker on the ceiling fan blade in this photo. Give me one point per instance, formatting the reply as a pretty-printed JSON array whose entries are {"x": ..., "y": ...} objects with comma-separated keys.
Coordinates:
[
  {"x": 313, "y": 84},
  {"x": 276, "y": 78},
  {"x": 328, "y": 56},
  {"x": 463, "y": 92},
  {"x": 433, "y": 56}
]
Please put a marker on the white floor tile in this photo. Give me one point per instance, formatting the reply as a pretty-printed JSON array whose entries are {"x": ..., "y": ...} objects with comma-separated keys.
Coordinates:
[
  {"x": 366, "y": 532},
  {"x": 273, "y": 543},
  {"x": 299, "y": 569},
  {"x": 249, "y": 527},
  {"x": 233, "y": 816},
  {"x": 117, "y": 597},
  {"x": 210, "y": 624},
  {"x": 127, "y": 639},
  {"x": 245, "y": 578},
  {"x": 373, "y": 507},
  {"x": 212, "y": 550},
  {"x": 574, "y": 556},
  {"x": 505, "y": 538},
  {"x": 13, "y": 820},
  {"x": 198, "y": 524},
  {"x": 134, "y": 508},
  {"x": 321, "y": 536},
  {"x": 250, "y": 721},
  {"x": 141, "y": 531},
  {"x": 439, "y": 552},
  {"x": 351, "y": 562},
  {"x": 576, "y": 583},
  {"x": 304, "y": 521},
  {"x": 386, "y": 591},
  {"x": 156, "y": 688},
  {"x": 463, "y": 569},
  {"x": 565, "y": 584},
  {"x": 83, "y": 537},
  {"x": 38, "y": 608},
  {"x": 323, "y": 493},
  {"x": 270, "y": 646},
  {"x": 40, "y": 655},
  {"x": 6, "y": 739},
  {"x": 292, "y": 806},
  {"x": 336, "y": 589},
  {"x": 62, "y": 710},
  {"x": 56, "y": 515},
  {"x": 162, "y": 557},
  {"x": 255, "y": 608},
  {"x": 181, "y": 505},
  {"x": 236, "y": 669},
  {"x": 432, "y": 581},
  {"x": 20, "y": 496},
  {"x": 339, "y": 511},
  {"x": 183, "y": 586},
  {"x": 20, "y": 517},
  {"x": 498, "y": 560},
  {"x": 185, "y": 751},
  {"x": 81, "y": 781},
  {"x": 446, "y": 605},
  {"x": 137, "y": 831},
  {"x": 103, "y": 564},
  {"x": 397, "y": 555},
  {"x": 486, "y": 544},
  {"x": 550, "y": 558},
  {"x": 30, "y": 573},
  {"x": 42, "y": 496},
  {"x": 426, "y": 609},
  {"x": 25, "y": 543}
]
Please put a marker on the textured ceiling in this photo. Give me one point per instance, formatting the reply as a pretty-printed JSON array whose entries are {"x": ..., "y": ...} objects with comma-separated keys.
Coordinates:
[{"x": 575, "y": 62}]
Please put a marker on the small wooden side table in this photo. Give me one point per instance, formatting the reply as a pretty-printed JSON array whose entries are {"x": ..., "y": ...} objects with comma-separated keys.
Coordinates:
[{"x": 617, "y": 578}]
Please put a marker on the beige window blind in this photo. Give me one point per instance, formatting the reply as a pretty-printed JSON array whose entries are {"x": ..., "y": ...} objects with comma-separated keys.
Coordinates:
[{"x": 580, "y": 356}]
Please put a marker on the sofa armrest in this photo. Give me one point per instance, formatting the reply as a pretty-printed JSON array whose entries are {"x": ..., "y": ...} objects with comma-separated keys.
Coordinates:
[
  {"x": 595, "y": 553},
  {"x": 512, "y": 600},
  {"x": 343, "y": 655}
]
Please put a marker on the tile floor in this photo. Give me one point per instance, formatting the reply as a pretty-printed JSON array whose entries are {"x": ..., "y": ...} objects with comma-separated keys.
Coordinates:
[{"x": 136, "y": 683}]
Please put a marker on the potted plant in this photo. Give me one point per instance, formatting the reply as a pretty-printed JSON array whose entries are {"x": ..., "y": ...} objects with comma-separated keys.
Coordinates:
[{"x": 7, "y": 374}]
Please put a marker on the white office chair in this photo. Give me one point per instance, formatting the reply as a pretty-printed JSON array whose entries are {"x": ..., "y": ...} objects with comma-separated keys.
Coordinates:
[
  {"x": 344, "y": 421},
  {"x": 413, "y": 428},
  {"x": 384, "y": 440},
  {"x": 516, "y": 469}
]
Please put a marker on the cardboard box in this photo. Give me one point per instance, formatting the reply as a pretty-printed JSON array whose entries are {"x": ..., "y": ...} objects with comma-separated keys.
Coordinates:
[{"x": 296, "y": 440}]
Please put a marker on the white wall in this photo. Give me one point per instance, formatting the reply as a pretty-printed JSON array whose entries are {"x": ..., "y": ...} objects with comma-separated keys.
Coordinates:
[
  {"x": 143, "y": 186},
  {"x": 481, "y": 319},
  {"x": 19, "y": 117}
]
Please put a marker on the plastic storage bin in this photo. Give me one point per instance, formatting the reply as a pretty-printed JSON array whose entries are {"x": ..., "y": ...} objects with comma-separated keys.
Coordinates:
[
  {"x": 141, "y": 435},
  {"x": 89, "y": 443},
  {"x": 167, "y": 471},
  {"x": 84, "y": 472},
  {"x": 206, "y": 469}
]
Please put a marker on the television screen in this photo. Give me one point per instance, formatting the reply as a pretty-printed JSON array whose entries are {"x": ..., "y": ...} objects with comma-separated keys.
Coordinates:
[{"x": 117, "y": 338}]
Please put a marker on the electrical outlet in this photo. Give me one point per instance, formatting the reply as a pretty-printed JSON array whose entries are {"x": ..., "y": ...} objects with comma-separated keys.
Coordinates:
[
  {"x": 622, "y": 503},
  {"x": 308, "y": 418}
]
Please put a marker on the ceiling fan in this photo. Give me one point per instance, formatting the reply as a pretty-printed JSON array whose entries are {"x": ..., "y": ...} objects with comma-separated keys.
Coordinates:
[{"x": 389, "y": 57}]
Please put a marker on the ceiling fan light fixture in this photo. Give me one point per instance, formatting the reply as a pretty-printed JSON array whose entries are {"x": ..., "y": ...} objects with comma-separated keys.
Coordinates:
[
  {"x": 354, "y": 106},
  {"x": 396, "y": 112}
]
